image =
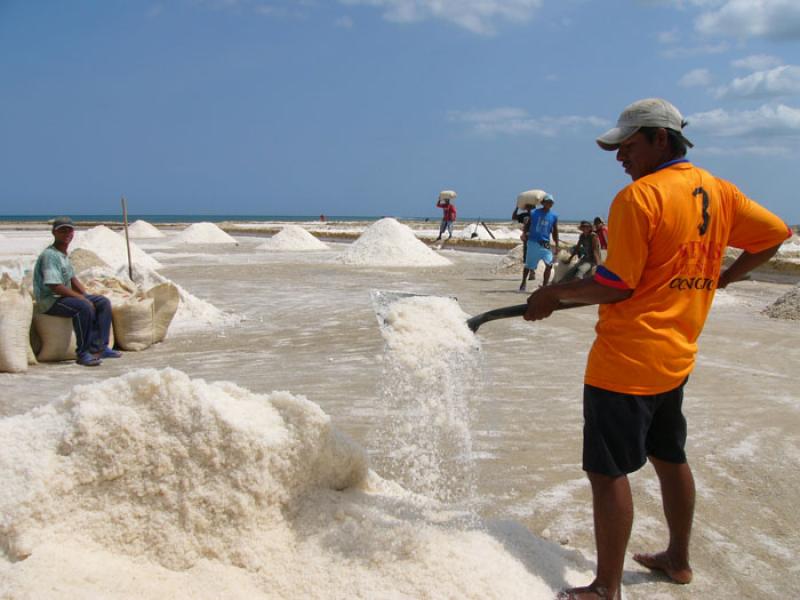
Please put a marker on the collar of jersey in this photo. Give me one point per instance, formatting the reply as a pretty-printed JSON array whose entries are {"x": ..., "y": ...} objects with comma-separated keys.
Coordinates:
[{"x": 669, "y": 163}]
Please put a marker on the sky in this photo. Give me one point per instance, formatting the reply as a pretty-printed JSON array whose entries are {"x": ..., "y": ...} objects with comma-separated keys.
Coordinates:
[{"x": 371, "y": 107}]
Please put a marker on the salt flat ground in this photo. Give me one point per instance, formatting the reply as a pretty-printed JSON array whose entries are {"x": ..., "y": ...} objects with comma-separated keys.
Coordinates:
[{"x": 309, "y": 328}]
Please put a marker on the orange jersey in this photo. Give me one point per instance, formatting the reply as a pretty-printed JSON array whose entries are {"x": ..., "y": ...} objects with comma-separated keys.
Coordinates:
[{"x": 667, "y": 237}]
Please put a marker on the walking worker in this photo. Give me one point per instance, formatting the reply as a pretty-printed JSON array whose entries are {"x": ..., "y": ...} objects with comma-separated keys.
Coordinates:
[
  {"x": 526, "y": 202},
  {"x": 445, "y": 202},
  {"x": 59, "y": 292},
  {"x": 543, "y": 224},
  {"x": 668, "y": 231}
]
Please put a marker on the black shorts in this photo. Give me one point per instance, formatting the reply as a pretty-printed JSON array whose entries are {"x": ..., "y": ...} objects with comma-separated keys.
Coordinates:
[{"x": 621, "y": 430}]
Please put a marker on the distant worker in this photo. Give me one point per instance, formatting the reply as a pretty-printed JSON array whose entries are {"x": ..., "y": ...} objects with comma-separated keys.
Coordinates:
[
  {"x": 602, "y": 232},
  {"x": 542, "y": 225},
  {"x": 59, "y": 292},
  {"x": 522, "y": 215},
  {"x": 668, "y": 231},
  {"x": 322, "y": 218},
  {"x": 588, "y": 252},
  {"x": 448, "y": 213}
]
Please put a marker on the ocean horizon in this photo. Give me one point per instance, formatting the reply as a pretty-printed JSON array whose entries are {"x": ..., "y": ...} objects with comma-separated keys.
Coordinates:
[{"x": 186, "y": 218}]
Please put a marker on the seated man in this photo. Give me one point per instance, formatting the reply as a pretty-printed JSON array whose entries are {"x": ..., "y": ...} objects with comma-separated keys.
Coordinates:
[
  {"x": 588, "y": 251},
  {"x": 59, "y": 293}
]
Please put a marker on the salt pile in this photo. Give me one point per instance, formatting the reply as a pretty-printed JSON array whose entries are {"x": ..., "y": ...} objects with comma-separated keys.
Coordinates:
[
  {"x": 476, "y": 231},
  {"x": 787, "y": 306},
  {"x": 389, "y": 243},
  {"x": 293, "y": 237},
  {"x": 111, "y": 248},
  {"x": 430, "y": 374},
  {"x": 143, "y": 230},
  {"x": 153, "y": 485},
  {"x": 203, "y": 233}
]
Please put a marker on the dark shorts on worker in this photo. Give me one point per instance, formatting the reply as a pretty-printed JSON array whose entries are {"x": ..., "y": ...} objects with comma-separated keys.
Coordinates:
[{"x": 621, "y": 430}]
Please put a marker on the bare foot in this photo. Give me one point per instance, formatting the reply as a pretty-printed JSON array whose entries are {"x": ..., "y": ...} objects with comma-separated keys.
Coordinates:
[
  {"x": 661, "y": 562},
  {"x": 588, "y": 592}
]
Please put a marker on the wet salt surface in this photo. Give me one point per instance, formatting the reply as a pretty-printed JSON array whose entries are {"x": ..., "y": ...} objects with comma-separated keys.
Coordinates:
[{"x": 310, "y": 329}]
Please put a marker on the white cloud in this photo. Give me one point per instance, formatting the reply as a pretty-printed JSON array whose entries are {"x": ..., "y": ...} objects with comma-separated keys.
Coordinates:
[
  {"x": 478, "y": 16},
  {"x": 517, "y": 121},
  {"x": 757, "y": 62},
  {"x": 690, "y": 51},
  {"x": 344, "y": 22},
  {"x": 767, "y": 121},
  {"x": 778, "y": 19},
  {"x": 696, "y": 78},
  {"x": 747, "y": 150},
  {"x": 780, "y": 81},
  {"x": 668, "y": 37}
]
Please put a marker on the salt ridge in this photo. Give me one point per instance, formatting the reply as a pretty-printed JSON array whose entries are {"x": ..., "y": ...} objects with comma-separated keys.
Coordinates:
[
  {"x": 293, "y": 237},
  {"x": 111, "y": 247},
  {"x": 154, "y": 485},
  {"x": 388, "y": 243},
  {"x": 203, "y": 233},
  {"x": 143, "y": 230}
]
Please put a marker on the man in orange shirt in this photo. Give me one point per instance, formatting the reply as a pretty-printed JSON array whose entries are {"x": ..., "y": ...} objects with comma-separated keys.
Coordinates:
[{"x": 668, "y": 231}]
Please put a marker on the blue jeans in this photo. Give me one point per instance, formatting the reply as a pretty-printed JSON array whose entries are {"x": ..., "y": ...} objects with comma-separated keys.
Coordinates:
[
  {"x": 92, "y": 326},
  {"x": 446, "y": 226}
]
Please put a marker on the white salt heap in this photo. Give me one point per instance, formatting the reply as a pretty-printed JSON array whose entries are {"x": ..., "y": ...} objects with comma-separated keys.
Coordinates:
[
  {"x": 388, "y": 243},
  {"x": 787, "y": 306},
  {"x": 203, "y": 233},
  {"x": 143, "y": 230},
  {"x": 293, "y": 237},
  {"x": 111, "y": 248},
  {"x": 430, "y": 374},
  {"x": 153, "y": 485}
]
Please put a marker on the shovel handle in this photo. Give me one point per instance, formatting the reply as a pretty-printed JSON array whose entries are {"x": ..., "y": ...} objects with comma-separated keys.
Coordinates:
[{"x": 499, "y": 313}]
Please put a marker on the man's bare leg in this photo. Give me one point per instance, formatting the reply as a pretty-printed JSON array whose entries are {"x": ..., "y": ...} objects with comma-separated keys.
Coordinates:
[
  {"x": 546, "y": 277},
  {"x": 613, "y": 518},
  {"x": 525, "y": 271},
  {"x": 677, "y": 494}
]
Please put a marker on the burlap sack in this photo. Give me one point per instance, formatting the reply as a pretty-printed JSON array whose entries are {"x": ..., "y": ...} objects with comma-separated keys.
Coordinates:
[
  {"x": 133, "y": 322},
  {"x": 56, "y": 337},
  {"x": 53, "y": 338},
  {"x": 165, "y": 304},
  {"x": 16, "y": 311}
]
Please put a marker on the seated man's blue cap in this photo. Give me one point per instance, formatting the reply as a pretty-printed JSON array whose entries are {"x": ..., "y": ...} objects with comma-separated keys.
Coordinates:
[
  {"x": 61, "y": 222},
  {"x": 548, "y": 198}
]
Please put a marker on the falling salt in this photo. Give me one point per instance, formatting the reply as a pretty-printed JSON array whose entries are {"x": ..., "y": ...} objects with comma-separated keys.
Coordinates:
[{"x": 430, "y": 373}]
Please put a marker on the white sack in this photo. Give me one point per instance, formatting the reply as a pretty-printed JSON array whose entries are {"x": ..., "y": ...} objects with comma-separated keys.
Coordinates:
[{"x": 16, "y": 311}]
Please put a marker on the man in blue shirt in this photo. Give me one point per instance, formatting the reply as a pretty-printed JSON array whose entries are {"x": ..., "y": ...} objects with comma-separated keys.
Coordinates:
[
  {"x": 542, "y": 224},
  {"x": 59, "y": 292}
]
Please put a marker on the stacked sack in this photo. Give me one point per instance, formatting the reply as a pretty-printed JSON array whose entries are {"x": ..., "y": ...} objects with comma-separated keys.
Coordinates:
[
  {"x": 16, "y": 312},
  {"x": 139, "y": 318}
]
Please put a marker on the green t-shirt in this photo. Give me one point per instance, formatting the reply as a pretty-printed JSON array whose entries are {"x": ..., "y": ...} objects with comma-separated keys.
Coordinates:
[{"x": 52, "y": 268}]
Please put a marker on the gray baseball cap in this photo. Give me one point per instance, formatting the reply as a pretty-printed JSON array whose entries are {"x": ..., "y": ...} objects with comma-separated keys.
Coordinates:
[
  {"x": 61, "y": 222},
  {"x": 650, "y": 112}
]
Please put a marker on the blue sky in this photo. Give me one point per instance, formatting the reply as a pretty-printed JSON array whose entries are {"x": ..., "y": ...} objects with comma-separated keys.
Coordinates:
[{"x": 370, "y": 107}]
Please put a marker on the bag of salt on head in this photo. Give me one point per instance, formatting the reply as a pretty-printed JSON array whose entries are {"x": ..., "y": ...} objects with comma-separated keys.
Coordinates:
[
  {"x": 165, "y": 304},
  {"x": 16, "y": 312},
  {"x": 133, "y": 322}
]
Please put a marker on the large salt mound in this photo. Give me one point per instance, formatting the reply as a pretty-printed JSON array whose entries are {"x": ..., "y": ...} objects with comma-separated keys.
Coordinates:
[
  {"x": 203, "y": 233},
  {"x": 292, "y": 237},
  {"x": 786, "y": 307},
  {"x": 153, "y": 485},
  {"x": 111, "y": 248},
  {"x": 143, "y": 230},
  {"x": 388, "y": 243}
]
